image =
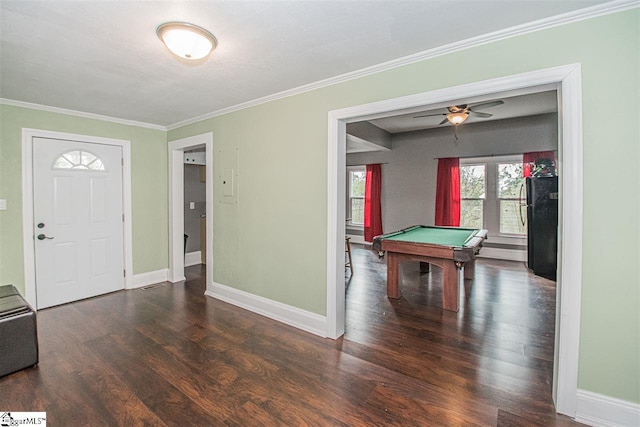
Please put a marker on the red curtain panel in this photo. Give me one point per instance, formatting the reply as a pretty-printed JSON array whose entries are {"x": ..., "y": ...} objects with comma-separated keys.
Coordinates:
[
  {"x": 448, "y": 192},
  {"x": 529, "y": 159},
  {"x": 372, "y": 202}
]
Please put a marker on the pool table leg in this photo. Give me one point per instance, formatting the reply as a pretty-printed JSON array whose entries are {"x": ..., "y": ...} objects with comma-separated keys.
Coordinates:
[
  {"x": 393, "y": 267},
  {"x": 470, "y": 269},
  {"x": 450, "y": 286}
]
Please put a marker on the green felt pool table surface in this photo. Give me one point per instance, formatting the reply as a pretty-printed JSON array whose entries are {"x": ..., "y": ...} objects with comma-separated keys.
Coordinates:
[{"x": 434, "y": 235}]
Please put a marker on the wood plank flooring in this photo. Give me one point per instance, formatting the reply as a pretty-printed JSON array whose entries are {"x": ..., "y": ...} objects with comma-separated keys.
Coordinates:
[{"x": 171, "y": 356}]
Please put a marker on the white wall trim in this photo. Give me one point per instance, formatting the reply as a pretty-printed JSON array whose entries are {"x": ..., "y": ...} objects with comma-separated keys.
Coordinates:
[
  {"x": 599, "y": 410},
  {"x": 569, "y": 289},
  {"x": 176, "y": 204},
  {"x": 149, "y": 278},
  {"x": 50, "y": 109},
  {"x": 287, "y": 314},
  {"x": 192, "y": 258},
  {"x": 542, "y": 24},
  {"x": 570, "y": 221},
  {"x": 27, "y": 202}
]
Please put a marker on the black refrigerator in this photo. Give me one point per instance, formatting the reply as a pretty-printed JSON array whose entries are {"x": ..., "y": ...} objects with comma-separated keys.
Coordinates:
[{"x": 542, "y": 225}]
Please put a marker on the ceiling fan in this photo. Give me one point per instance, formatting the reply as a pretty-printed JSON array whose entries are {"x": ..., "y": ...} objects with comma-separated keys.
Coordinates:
[{"x": 457, "y": 114}]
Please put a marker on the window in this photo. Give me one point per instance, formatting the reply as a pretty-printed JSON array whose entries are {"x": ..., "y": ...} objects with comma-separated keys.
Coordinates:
[
  {"x": 491, "y": 196},
  {"x": 472, "y": 195},
  {"x": 79, "y": 160},
  {"x": 355, "y": 192},
  {"x": 510, "y": 191}
]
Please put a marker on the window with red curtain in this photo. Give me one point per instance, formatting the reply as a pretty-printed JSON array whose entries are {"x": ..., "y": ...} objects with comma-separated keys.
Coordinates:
[
  {"x": 529, "y": 159},
  {"x": 372, "y": 202},
  {"x": 448, "y": 192}
]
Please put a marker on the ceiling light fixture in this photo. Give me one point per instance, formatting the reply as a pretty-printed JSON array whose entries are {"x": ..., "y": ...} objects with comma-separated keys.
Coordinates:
[
  {"x": 457, "y": 118},
  {"x": 186, "y": 40}
]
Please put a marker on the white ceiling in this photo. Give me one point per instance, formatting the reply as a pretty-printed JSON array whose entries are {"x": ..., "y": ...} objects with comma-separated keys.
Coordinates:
[{"x": 103, "y": 57}]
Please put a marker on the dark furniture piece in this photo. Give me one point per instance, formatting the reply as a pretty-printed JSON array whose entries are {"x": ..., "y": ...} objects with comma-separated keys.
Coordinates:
[
  {"x": 18, "y": 332},
  {"x": 450, "y": 248},
  {"x": 542, "y": 225}
]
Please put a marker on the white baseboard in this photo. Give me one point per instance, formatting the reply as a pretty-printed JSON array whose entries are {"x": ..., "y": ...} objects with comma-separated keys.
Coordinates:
[
  {"x": 192, "y": 258},
  {"x": 506, "y": 254},
  {"x": 358, "y": 239},
  {"x": 603, "y": 411},
  {"x": 292, "y": 316},
  {"x": 149, "y": 278}
]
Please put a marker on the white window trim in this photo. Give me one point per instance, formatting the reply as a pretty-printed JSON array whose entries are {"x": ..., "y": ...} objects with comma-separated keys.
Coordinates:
[
  {"x": 522, "y": 236},
  {"x": 351, "y": 225},
  {"x": 477, "y": 162},
  {"x": 491, "y": 195},
  {"x": 74, "y": 166}
]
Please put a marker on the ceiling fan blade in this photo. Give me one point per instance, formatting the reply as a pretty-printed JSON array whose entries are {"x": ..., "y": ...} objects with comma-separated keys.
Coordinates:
[
  {"x": 488, "y": 104},
  {"x": 479, "y": 114},
  {"x": 443, "y": 122},
  {"x": 430, "y": 115}
]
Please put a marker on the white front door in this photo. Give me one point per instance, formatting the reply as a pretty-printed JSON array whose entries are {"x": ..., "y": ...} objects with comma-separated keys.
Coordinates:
[{"x": 78, "y": 220}]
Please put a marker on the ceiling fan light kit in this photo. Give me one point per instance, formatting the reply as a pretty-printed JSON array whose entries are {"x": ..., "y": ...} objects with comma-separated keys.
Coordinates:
[
  {"x": 188, "y": 41},
  {"x": 457, "y": 114},
  {"x": 457, "y": 118}
]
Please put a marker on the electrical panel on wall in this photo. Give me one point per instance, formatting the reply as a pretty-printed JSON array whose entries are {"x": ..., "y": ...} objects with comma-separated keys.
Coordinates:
[{"x": 228, "y": 175}]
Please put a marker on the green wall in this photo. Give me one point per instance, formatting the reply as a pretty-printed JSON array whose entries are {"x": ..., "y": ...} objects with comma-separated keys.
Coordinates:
[
  {"x": 148, "y": 185},
  {"x": 273, "y": 243}
]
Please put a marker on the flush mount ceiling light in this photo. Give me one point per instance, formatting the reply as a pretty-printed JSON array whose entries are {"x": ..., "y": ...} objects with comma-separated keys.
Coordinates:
[{"x": 186, "y": 40}]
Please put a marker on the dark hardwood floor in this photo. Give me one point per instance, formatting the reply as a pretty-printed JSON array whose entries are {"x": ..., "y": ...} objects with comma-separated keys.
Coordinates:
[{"x": 171, "y": 356}]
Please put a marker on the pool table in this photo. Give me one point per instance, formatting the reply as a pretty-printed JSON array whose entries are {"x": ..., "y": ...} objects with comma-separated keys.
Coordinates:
[{"x": 451, "y": 248}]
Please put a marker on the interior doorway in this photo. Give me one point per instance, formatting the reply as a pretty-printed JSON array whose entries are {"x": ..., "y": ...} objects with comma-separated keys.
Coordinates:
[
  {"x": 177, "y": 150},
  {"x": 195, "y": 207},
  {"x": 566, "y": 80}
]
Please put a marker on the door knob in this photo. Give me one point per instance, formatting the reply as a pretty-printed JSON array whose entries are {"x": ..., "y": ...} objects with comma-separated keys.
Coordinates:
[
  {"x": 42, "y": 237},
  {"x": 40, "y": 225}
]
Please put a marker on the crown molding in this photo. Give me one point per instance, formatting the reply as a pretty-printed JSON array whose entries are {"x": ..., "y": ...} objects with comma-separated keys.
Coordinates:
[
  {"x": 542, "y": 24},
  {"x": 83, "y": 114}
]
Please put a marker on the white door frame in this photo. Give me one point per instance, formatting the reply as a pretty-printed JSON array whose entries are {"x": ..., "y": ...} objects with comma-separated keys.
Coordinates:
[
  {"x": 28, "y": 206},
  {"x": 176, "y": 204},
  {"x": 567, "y": 80}
]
